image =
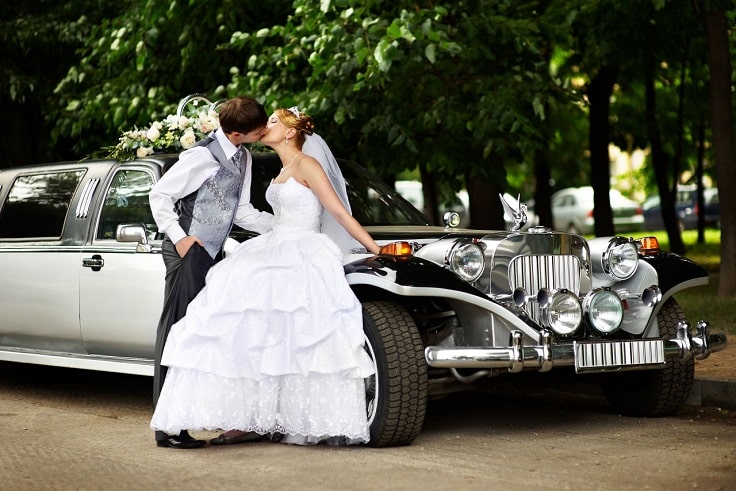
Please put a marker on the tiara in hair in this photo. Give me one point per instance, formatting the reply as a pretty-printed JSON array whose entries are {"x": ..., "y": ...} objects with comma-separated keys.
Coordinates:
[{"x": 295, "y": 111}]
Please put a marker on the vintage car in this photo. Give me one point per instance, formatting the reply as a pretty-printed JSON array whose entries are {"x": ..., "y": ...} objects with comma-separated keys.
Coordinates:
[{"x": 81, "y": 286}]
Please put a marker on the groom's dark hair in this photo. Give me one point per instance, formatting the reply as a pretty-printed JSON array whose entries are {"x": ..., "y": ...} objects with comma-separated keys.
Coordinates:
[{"x": 242, "y": 114}]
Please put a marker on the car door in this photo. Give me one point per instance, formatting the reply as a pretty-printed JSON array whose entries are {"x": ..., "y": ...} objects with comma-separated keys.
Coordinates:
[
  {"x": 121, "y": 283},
  {"x": 38, "y": 264}
]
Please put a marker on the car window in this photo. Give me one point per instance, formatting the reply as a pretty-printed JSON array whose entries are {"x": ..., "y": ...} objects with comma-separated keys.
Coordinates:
[
  {"x": 126, "y": 201},
  {"x": 37, "y": 204},
  {"x": 374, "y": 203},
  {"x": 563, "y": 201}
]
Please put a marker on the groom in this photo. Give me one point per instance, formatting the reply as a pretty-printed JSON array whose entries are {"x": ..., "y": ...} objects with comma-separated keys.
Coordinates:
[{"x": 195, "y": 203}]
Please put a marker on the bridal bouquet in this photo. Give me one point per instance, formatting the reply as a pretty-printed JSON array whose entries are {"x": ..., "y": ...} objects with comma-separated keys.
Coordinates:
[{"x": 172, "y": 134}]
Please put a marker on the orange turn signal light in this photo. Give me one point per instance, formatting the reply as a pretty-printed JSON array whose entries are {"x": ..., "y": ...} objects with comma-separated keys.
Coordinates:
[
  {"x": 649, "y": 246},
  {"x": 396, "y": 249}
]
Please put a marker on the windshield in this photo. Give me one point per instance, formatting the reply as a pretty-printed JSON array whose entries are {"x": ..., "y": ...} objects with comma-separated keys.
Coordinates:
[{"x": 372, "y": 202}]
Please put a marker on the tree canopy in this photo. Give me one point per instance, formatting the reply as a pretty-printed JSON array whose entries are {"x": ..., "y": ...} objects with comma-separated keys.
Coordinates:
[{"x": 487, "y": 95}]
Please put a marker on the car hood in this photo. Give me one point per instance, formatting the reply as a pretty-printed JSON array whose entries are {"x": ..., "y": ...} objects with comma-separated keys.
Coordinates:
[{"x": 420, "y": 233}]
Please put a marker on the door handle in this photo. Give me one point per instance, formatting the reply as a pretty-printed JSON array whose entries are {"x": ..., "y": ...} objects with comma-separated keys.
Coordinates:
[{"x": 95, "y": 262}]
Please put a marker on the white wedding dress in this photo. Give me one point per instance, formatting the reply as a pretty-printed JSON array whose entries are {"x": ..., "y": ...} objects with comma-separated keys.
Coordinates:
[{"x": 274, "y": 342}]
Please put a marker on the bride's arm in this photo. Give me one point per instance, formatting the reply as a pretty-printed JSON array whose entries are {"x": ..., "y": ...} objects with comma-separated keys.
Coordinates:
[{"x": 314, "y": 176}]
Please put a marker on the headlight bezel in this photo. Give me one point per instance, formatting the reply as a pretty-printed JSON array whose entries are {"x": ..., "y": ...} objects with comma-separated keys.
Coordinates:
[
  {"x": 467, "y": 260},
  {"x": 620, "y": 260}
]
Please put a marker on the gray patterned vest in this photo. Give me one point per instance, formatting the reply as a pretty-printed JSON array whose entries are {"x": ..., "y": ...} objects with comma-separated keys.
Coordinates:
[{"x": 209, "y": 212}]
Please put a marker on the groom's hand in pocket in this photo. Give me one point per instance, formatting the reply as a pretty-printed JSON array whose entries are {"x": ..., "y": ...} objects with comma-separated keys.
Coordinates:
[{"x": 183, "y": 246}]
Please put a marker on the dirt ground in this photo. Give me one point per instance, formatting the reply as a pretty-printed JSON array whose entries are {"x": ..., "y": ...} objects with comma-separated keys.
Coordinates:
[
  {"x": 720, "y": 365},
  {"x": 64, "y": 429}
]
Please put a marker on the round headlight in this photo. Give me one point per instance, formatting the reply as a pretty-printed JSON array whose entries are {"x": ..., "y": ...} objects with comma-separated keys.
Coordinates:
[
  {"x": 621, "y": 259},
  {"x": 604, "y": 310},
  {"x": 467, "y": 261},
  {"x": 564, "y": 312}
]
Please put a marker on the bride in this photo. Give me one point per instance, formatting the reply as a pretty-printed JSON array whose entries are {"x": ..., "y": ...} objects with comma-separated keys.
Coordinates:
[{"x": 273, "y": 345}]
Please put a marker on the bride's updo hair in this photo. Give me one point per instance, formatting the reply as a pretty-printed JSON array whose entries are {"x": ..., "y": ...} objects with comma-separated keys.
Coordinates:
[{"x": 302, "y": 123}]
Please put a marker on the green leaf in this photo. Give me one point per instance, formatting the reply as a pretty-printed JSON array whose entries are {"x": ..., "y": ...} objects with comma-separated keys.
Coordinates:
[
  {"x": 119, "y": 116},
  {"x": 429, "y": 52},
  {"x": 380, "y": 55}
]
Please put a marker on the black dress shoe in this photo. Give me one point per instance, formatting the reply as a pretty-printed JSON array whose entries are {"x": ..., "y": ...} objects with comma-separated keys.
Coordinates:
[
  {"x": 180, "y": 441},
  {"x": 249, "y": 436}
]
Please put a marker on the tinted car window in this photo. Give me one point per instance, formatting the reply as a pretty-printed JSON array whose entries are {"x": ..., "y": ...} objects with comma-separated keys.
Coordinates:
[
  {"x": 126, "y": 201},
  {"x": 372, "y": 201},
  {"x": 37, "y": 205}
]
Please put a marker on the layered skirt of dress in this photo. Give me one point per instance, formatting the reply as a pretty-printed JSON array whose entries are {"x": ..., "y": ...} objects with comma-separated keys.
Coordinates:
[{"x": 273, "y": 344}]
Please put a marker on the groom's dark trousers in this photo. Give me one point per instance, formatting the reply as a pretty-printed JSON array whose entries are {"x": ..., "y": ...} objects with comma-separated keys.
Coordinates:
[{"x": 184, "y": 279}]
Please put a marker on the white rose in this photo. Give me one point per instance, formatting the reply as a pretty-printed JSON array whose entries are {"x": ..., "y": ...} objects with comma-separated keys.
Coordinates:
[
  {"x": 172, "y": 122},
  {"x": 188, "y": 139},
  {"x": 208, "y": 124},
  {"x": 143, "y": 151},
  {"x": 153, "y": 133},
  {"x": 184, "y": 123}
]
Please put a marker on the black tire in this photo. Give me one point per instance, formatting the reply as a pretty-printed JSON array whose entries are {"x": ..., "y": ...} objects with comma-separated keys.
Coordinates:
[
  {"x": 653, "y": 392},
  {"x": 396, "y": 396}
]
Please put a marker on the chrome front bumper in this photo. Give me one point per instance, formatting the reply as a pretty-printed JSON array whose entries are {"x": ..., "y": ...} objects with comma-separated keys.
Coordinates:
[{"x": 585, "y": 356}]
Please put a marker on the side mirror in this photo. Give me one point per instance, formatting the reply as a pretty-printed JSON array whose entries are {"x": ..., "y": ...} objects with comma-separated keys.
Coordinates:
[{"x": 133, "y": 232}]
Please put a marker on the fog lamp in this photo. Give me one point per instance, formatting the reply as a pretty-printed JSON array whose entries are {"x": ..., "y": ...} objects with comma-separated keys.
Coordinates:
[{"x": 563, "y": 313}]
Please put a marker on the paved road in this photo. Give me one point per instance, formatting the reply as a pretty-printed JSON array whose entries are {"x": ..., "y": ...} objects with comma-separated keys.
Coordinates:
[{"x": 65, "y": 429}]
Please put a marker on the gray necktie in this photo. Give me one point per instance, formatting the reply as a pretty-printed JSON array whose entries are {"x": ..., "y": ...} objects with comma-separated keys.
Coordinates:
[{"x": 236, "y": 158}]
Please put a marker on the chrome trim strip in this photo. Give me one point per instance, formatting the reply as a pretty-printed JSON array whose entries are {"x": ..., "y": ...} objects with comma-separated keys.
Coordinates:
[
  {"x": 594, "y": 356},
  {"x": 86, "y": 199},
  {"x": 132, "y": 366}
]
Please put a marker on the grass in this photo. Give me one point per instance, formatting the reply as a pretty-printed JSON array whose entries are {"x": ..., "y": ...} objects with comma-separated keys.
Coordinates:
[{"x": 703, "y": 302}]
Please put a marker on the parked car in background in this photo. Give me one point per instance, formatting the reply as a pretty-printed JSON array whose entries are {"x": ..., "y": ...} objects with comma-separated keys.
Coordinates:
[
  {"x": 652, "y": 210},
  {"x": 686, "y": 209},
  {"x": 712, "y": 209},
  {"x": 572, "y": 211}
]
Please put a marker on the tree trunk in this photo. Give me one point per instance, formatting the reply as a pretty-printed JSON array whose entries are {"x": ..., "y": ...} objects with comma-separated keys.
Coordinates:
[
  {"x": 486, "y": 211},
  {"x": 724, "y": 142},
  {"x": 599, "y": 94},
  {"x": 543, "y": 191},
  {"x": 429, "y": 191},
  {"x": 659, "y": 161},
  {"x": 700, "y": 164}
]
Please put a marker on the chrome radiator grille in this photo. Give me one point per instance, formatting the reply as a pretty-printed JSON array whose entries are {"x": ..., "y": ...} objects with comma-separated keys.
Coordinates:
[{"x": 551, "y": 272}]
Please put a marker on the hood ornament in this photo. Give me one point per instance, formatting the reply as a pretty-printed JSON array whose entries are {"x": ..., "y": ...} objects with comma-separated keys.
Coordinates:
[{"x": 515, "y": 211}]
